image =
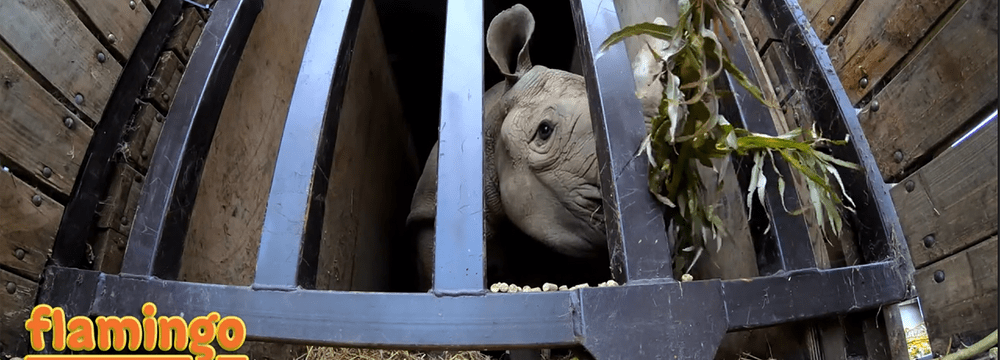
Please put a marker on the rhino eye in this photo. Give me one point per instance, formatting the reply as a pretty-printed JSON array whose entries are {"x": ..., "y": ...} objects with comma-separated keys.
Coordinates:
[{"x": 544, "y": 130}]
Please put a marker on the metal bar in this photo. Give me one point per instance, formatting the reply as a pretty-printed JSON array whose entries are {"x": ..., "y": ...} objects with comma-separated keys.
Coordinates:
[
  {"x": 781, "y": 240},
  {"x": 157, "y": 238},
  {"x": 639, "y": 245},
  {"x": 70, "y": 247},
  {"x": 459, "y": 266},
  {"x": 876, "y": 223},
  {"x": 293, "y": 220}
]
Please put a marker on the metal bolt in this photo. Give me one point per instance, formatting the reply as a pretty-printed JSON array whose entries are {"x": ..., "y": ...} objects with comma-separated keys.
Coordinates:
[
  {"x": 898, "y": 156},
  {"x": 165, "y": 96},
  {"x": 875, "y": 105},
  {"x": 131, "y": 5},
  {"x": 11, "y": 288},
  {"x": 831, "y": 20},
  {"x": 101, "y": 58},
  {"x": 909, "y": 185},
  {"x": 46, "y": 172},
  {"x": 19, "y": 254},
  {"x": 124, "y": 221},
  {"x": 68, "y": 122},
  {"x": 929, "y": 240},
  {"x": 78, "y": 98},
  {"x": 840, "y": 40},
  {"x": 37, "y": 200},
  {"x": 144, "y": 154},
  {"x": 939, "y": 276},
  {"x": 863, "y": 82},
  {"x": 112, "y": 38},
  {"x": 756, "y": 41}
]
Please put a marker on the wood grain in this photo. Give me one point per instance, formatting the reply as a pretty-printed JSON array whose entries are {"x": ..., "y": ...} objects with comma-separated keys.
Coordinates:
[
  {"x": 186, "y": 33},
  {"x": 936, "y": 94},
  {"x": 26, "y": 231},
  {"x": 759, "y": 26},
  {"x": 964, "y": 305},
  {"x": 877, "y": 36},
  {"x": 819, "y": 13},
  {"x": 14, "y": 310},
  {"x": 162, "y": 84},
  {"x": 954, "y": 198},
  {"x": 49, "y": 36},
  {"x": 33, "y": 132},
  {"x": 121, "y": 22}
]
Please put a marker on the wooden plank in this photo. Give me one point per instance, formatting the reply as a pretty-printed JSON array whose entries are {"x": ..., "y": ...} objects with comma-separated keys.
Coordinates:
[
  {"x": 121, "y": 22},
  {"x": 33, "y": 131},
  {"x": 162, "y": 84},
  {"x": 49, "y": 36},
  {"x": 27, "y": 231},
  {"x": 186, "y": 34},
  {"x": 821, "y": 12},
  {"x": 109, "y": 249},
  {"x": 152, "y": 3},
  {"x": 962, "y": 307},
  {"x": 877, "y": 36},
  {"x": 16, "y": 301},
  {"x": 946, "y": 83},
  {"x": 760, "y": 27},
  {"x": 953, "y": 199},
  {"x": 142, "y": 135}
]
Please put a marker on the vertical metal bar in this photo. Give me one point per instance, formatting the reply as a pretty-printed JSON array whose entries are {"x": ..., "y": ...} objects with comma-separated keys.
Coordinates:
[
  {"x": 785, "y": 245},
  {"x": 639, "y": 245},
  {"x": 459, "y": 266},
  {"x": 156, "y": 241},
  {"x": 293, "y": 221},
  {"x": 76, "y": 227}
]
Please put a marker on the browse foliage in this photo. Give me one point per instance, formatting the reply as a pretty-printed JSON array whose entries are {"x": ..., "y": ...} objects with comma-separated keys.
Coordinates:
[{"x": 688, "y": 131}]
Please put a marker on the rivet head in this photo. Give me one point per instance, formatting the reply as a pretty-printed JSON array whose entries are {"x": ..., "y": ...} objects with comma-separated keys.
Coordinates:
[
  {"x": 144, "y": 154},
  {"x": 101, "y": 58},
  {"x": 19, "y": 254},
  {"x": 863, "y": 82},
  {"x": 909, "y": 185},
  {"x": 939, "y": 276},
  {"x": 131, "y": 5},
  {"x": 11, "y": 288},
  {"x": 68, "y": 122},
  {"x": 46, "y": 172},
  {"x": 37, "y": 200},
  {"x": 929, "y": 240},
  {"x": 840, "y": 40},
  {"x": 124, "y": 220},
  {"x": 165, "y": 96},
  {"x": 831, "y": 20},
  {"x": 897, "y": 156},
  {"x": 112, "y": 38},
  {"x": 79, "y": 99},
  {"x": 875, "y": 105}
]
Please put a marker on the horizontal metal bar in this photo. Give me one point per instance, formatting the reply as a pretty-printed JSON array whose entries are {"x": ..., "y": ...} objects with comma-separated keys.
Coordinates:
[
  {"x": 638, "y": 242},
  {"x": 459, "y": 266},
  {"x": 156, "y": 241},
  {"x": 294, "y": 215},
  {"x": 78, "y": 219}
]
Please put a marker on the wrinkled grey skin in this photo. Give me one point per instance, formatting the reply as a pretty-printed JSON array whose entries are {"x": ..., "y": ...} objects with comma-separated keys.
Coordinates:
[{"x": 540, "y": 163}]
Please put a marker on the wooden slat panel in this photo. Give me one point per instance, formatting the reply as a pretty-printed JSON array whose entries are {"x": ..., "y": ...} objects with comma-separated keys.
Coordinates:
[
  {"x": 33, "y": 130},
  {"x": 50, "y": 37},
  {"x": 15, "y": 307},
  {"x": 26, "y": 231},
  {"x": 946, "y": 83},
  {"x": 759, "y": 27},
  {"x": 819, "y": 13},
  {"x": 953, "y": 199},
  {"x": 163, "y": 82},
  {"x": 121, "y": 22},
  {"x": 965, "y": 303},
  {"x": 877, "y": 36},
  {"x": 186, "y": 34}
]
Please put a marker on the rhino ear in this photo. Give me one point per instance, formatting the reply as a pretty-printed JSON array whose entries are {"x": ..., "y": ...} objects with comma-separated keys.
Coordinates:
[{"x": 507, "y": 41}]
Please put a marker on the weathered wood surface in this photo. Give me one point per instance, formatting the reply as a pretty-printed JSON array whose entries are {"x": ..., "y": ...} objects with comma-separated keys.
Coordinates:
[
  {"x": 27, "y": 231},
  {"x": 877, "y": 36},
  {"x": 17, "y": 298},
  {"x": 964, "y": 304},
  {"x": 51, "y": 38},
  {"x": 120, "y": 22},
  {"x": 109, "y": 249},
  {"x": 118, "y": 208},
  {"x": 939, "y": 90},
  {"x": 163, "y": 82},
  {"x": 952, "y": 199},
  {"x": 33, "y": 131},
  {"x": 825, "y": 15},
  {"x": 759, "y": 26},
  {"x": 186, "y": 34},
  {"x": 141, "y": 139}
]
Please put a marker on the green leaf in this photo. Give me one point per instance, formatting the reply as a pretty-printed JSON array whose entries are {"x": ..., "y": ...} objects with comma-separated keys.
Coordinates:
[
  {"x": 662, "y": 32},
  {"x": 745, "y": 82}
]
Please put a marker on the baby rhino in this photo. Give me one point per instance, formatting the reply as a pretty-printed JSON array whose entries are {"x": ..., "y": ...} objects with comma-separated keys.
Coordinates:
[{"x": 540, "y": 164}]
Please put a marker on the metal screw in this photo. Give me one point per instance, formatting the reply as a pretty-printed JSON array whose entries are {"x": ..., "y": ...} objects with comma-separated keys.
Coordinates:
[
  {"x": 909, "y": 185},
  {"x": 101, "y": 58},
  {"x": 79, "y": 99},
  {"x": 831, "y": 20},
  {"x": 131, "y": 5},
  {"x": 124, "y": 221},
  {"x": 939, "y": 276},
  {"x": 875, "y": 105},
  {"x": 929, "y": 240},
  {"x": 68, "y": 122},
  {"x": 19, "y": 254},
  {"x": 898, "y": 156},
  {"x": 863, "y": 82},
  {"x": 11, "y": 288},
  {"x": 165, "y": 96},
  {"x": 37, "y": 200},
  {"x": 46, "y": 172},
  {"x": 144, "y": 154},
  {"x": 112, "y": 38}
]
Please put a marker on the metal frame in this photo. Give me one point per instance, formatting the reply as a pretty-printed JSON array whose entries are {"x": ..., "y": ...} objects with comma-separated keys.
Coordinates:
[{"x": 650, "y": 315}]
